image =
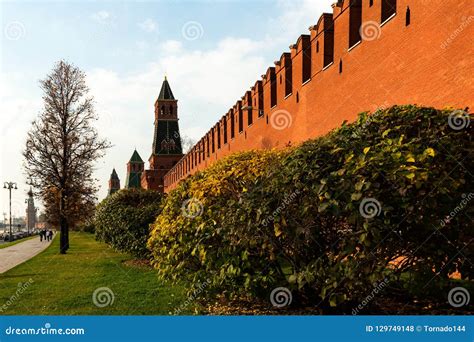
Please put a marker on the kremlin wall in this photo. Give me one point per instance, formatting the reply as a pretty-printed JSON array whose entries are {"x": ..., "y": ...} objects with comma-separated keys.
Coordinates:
[{"x": 366, "y": 54}]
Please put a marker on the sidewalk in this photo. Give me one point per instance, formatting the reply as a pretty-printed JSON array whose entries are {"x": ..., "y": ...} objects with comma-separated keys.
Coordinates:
[{"x": 21, "y": 252}]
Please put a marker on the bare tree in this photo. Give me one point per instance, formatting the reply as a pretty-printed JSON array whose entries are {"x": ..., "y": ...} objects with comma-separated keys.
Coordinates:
[
  {"x": 79, "y": 208},
  {"x": 62, "y": 146},
  {"x": 187, "y": 143}
]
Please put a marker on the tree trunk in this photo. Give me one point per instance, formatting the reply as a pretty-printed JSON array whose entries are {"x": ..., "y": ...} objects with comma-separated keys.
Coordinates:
[{"x": 63, "y": 237}]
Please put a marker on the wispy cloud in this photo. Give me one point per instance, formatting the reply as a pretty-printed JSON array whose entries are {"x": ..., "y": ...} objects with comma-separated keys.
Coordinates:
[
  {"x": 101, "y": 17},
  {"x": 149, "y": 25}
]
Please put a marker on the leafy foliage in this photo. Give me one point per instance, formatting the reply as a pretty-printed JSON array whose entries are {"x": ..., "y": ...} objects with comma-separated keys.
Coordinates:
[
  {"x": 298, "y": 218},
  {"x": 204, "y": 248},
  {"x": 122, "y": 220}
]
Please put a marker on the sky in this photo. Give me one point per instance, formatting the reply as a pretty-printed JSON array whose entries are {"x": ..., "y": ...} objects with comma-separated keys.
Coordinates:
[{"x": 210, "y": 51}]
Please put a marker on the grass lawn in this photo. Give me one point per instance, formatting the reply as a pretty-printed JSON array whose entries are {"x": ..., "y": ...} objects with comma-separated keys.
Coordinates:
[
  {"x": 64, "y": 284},
  {"x": 8, "y": 244}
]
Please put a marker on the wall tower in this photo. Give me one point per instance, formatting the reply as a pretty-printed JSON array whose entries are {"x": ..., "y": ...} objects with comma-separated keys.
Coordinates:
[
  {"x": 135, "y": 168},
  {"x": 114, "y": 183},
  {"x": 166, "y": 149}
]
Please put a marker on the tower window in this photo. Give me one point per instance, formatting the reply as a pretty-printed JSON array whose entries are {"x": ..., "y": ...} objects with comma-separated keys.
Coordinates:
[
  {"x": 297, "y": 97},
  {"x": 389, "y": 8},
  {"x": 355, "y": 21},
  {"x": 340, "y": 66},
  {"x": 317, "y": 46},
  {"x": 280, "y": 78},
  {"x": 408, "y": 17},
  {"x": 371, "y": 3},
  {"x": 218, "y": 135}
]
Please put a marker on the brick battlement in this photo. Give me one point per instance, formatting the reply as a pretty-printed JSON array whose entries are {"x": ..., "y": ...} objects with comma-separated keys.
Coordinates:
[{"x": 367, "y": 54}]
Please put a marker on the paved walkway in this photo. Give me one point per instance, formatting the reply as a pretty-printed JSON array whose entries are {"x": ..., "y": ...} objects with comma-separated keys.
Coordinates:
[{"x": 21, "y": 252}]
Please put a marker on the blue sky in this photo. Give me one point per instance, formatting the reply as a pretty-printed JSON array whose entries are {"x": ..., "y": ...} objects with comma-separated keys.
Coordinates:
[{"x": 211, "y": 51}]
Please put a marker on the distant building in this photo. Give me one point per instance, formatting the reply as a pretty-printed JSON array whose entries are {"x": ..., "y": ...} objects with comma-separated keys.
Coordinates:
[
  {"x": 30, "y": 211},
  {"x": 114, "y": 183},
  {"x": 135, "y": 168}
]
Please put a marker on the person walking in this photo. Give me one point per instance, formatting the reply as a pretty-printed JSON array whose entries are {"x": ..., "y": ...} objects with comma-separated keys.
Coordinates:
[
  {"x": 41, "y": 235},
  {"x": 50, "y": 235}
]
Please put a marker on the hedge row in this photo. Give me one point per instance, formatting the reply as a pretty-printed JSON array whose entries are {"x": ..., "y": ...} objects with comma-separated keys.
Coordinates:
[
  {"x": 122, "y": 220},
  {"x": 370, "y": 201}
]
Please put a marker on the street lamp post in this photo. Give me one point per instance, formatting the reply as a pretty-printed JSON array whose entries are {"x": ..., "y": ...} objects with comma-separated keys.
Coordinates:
[{"x": 10, "y": 186}]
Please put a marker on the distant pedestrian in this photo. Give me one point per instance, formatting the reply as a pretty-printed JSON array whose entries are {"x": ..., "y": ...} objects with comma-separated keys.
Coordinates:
[
  {"x": 41, "y": 234},
  {"x": 50, "y": 235}
]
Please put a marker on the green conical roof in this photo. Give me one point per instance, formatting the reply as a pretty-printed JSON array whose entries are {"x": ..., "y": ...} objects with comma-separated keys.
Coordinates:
[
  {"x": 114, "y": 174},
  {"x": 165, "y": 92},
  {"x": 136, "y": 158}
]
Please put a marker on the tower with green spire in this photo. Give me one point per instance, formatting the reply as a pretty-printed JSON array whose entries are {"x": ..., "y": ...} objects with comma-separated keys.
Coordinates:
[
  {"x": 166, "y": 148},
  {"x": 114, "y": 183},
  {"x": 135, "y": 168}
]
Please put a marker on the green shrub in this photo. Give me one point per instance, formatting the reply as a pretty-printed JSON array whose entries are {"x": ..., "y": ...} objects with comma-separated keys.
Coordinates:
[
  {"x": 87, "y": 226},
  {"x": 122, "y": 220},
  {"x": 408, "y": 165},
  {"x": 365, "y": 203},
  {"x": 191, "y": 238}
]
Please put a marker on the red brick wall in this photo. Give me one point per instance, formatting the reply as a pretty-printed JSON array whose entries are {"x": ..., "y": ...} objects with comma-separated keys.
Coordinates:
[{"x": 430, "y": 62}]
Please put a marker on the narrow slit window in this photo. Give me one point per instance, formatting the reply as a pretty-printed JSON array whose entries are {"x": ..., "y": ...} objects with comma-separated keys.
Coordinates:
[
  {"x": 340, "y": 66},
  {"x": 408, "y": 17},
  {"x": 218, "y": 135}
]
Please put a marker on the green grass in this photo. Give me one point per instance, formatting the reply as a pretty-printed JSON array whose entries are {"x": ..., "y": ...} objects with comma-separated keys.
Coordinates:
[
  {"x": 64, "y": 284},
  {"x": 8, "y": 244}
]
